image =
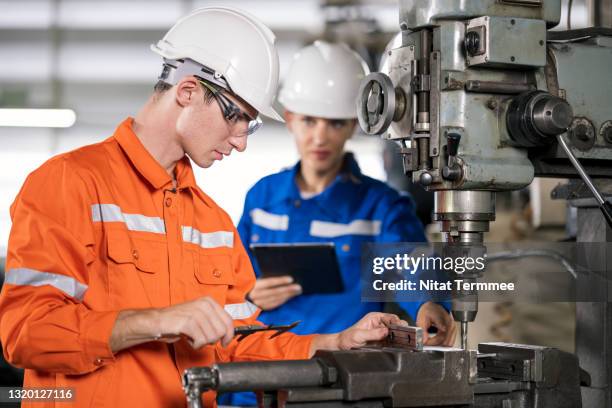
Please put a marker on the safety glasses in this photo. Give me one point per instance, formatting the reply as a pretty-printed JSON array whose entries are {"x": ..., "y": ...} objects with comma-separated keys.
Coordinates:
[{"x": 232, "y": 113}]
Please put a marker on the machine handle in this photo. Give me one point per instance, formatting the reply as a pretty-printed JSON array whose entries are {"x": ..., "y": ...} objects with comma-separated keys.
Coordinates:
[
  {"x": 604, "y": 206},
  {"x": 606, "y": 209},
  {"x": 452, "y": 143}
]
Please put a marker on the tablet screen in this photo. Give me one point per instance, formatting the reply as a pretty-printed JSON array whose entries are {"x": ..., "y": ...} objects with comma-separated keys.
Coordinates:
[{"x": 313, "y": 265}]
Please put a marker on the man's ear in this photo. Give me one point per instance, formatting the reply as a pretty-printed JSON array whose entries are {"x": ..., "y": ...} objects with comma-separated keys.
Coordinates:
[{"x": 187, "y": 90}]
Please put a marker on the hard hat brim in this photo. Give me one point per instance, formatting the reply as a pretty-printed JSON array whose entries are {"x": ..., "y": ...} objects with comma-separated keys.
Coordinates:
[{"x": 272, "y": 113}]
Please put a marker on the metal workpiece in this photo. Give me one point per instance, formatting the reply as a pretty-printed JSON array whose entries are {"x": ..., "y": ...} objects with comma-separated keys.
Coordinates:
[
  {"x": 415, "y": 14},
  {"x": 492, "y": 42},
  {"x": 403, "y": 337}
]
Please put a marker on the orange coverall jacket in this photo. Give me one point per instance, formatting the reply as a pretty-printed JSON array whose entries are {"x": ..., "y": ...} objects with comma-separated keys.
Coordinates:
[{"x": 99, "y": 230}]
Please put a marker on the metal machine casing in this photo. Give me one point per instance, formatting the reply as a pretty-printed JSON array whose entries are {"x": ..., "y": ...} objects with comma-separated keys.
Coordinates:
[{"x": 420, "y": 14}]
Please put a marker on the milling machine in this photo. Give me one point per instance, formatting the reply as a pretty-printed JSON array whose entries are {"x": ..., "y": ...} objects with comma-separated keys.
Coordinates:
[{"x": 481, "y": 98}]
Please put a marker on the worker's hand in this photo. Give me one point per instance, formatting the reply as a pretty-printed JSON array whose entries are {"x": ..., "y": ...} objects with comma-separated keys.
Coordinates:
[
  {"x": 371, "y": 327},
  {"x": 432, "y": 314},
  {"x": 270, "y": 293},
  {"x": 201, "y": 321}
]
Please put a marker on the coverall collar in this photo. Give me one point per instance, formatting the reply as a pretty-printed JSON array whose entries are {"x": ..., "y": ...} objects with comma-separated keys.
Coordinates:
[
  {"x": 335, "y": 196},
  {"x": 146, "y": 164}
]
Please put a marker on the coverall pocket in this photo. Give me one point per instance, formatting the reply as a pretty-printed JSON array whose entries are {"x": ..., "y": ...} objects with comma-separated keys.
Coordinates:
[
  {"x": 147, "y": 256},
  {"x": 214, "y": 275},
  {"x": 135, "y": 270}
]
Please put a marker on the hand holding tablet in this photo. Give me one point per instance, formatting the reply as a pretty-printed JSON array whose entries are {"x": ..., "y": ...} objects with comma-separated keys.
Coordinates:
[{"x": 313, "y": 266}]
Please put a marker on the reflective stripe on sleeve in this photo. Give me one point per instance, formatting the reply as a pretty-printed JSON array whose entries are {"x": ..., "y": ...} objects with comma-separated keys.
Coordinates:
[
  {"x": 133, "y": 222},
  {"x": 270, "y": 221},
  {"x": 240, "y": 311},
  {"x": 324, "y": 229},
  {"x": 208, "y": 239},
  {"x": 32, "y": 277}
]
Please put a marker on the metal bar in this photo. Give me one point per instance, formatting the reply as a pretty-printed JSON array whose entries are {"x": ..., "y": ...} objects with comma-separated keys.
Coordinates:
[
  {"x": 585, "y": 177},
  {"x": 495, "y": 87},
  {"x": 604, "y": 206},
  {"x": 272, "y": 375}
]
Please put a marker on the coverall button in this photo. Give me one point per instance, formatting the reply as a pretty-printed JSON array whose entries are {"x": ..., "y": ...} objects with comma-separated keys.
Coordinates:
[
  {"x": 216, "y": 273},
  {"x": 98, "y": 362},
  {"x": 346, "y": 247},
  {"x": 135, "y": 253},
  {"x": 297, "y": 203},
  {"x": 168, "y": 202},
  {"x": 254, "y": 237}
]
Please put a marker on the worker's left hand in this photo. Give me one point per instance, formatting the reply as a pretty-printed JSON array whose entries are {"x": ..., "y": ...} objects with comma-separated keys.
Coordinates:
[
  {"x": 432, "y": 314},
  {"x": 371, "y": 327}
]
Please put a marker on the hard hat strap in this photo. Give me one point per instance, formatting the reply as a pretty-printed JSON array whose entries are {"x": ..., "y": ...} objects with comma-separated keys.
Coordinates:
[{"x": 175, "y": 70}]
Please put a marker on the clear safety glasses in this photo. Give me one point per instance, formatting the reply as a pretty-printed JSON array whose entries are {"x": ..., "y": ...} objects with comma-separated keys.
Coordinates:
[{"x": 231, "y": 112}]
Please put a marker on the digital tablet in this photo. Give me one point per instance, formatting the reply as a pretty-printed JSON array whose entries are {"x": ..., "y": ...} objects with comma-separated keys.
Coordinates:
[{"x": 313, "y": 265}]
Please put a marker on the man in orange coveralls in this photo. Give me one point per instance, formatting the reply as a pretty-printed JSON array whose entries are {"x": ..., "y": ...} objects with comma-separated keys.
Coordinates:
[{"x": 121, "y": 272}]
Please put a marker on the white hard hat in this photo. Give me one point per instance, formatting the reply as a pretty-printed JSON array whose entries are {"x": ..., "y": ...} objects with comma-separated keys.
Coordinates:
[
  {"x": 323, "y": 81},
  {"x": 231, "y": 45}
]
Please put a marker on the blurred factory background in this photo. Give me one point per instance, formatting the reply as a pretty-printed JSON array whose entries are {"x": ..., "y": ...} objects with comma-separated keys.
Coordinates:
[{"x": 92, "y": 57}]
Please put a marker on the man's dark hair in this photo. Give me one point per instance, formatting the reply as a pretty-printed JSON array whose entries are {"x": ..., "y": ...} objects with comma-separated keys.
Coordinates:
[{"x": 161, "y": 87}]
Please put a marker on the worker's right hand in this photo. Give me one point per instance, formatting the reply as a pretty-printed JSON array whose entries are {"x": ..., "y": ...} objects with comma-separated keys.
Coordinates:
[
  {"x": 270, "y": 293},
  {"x": 201, "y": 321}
]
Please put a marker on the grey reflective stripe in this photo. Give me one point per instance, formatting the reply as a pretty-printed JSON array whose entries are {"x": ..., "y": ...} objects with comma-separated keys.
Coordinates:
[
  {"x": 133, "y": 222},
  {"x": 240, "y": 311},
  {"x": 324, "y": 229},
  {"x": 32, "y": 277},
  {"x": 208, "y": 239},
  {"x": 270, "y": 221}
]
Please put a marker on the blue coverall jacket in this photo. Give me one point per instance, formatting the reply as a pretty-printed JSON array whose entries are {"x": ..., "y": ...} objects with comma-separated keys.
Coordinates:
[{"x": 354, "y": 209}]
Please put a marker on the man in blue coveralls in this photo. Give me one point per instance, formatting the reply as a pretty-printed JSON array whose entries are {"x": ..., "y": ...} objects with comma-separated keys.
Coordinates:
[{"x": 326, "y": 198}]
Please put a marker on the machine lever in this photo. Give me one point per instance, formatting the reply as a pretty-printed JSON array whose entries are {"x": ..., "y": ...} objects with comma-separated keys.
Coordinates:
[
  {"x": 452, "y": 144},
  {"x": 604, "y": 206},
  {"x": 452, "y": 171}
]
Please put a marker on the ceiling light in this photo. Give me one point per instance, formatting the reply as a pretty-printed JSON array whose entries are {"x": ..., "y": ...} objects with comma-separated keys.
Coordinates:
[{"x": 51, "y": 118}]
